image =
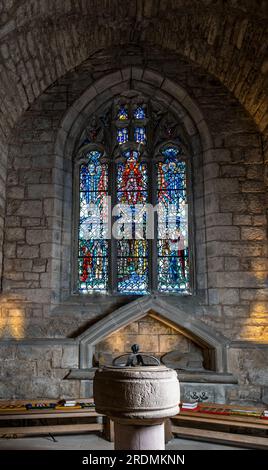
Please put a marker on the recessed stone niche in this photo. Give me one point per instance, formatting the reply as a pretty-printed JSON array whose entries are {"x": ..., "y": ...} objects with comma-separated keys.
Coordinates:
[{"x": 154, "y": 337}]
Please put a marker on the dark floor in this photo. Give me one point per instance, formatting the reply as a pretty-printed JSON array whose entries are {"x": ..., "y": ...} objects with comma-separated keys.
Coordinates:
[{"x": 94, "y": 442}]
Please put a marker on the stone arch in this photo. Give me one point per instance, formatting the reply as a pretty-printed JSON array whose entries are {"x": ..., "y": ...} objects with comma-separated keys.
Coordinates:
[
  {"x": 150, "y": 83},
  {"x": 219, "y": 37},
  {"x": 187, "y": 324}
]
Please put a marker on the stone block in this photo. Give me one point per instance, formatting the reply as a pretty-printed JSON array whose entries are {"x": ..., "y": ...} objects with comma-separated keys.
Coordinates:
[
  {"x": 253, "y": 155},
  {"x": 218, "y": 219},
  {"x": 224, "y": 296},
  {"x": 12, "y": 221},
  {"x": 251, "y": 186},
  {"x": 169, "y": 343},
  {"x": 39, "y": 265},
  {"x": 69, "y": 357},
  {"x": 219, "y": 155},
  {"x": 233, "y": 171},
  {"x": 16, "y": 192},
  {"x": 147, "y": 343},
  {"x": 42, "y": 387},
  {"x": 26, "y": 251},
  {"x": 37, "y": 236},
  {"x": 242, "y": 219},
  {"x": 147, "y": 326},
  {"x": 254, "y": 294},
  {"x": 231, "y": 263},
  {"x": 222, "y": 185},
  {"x": 259, "y": 220},
  {"x": 215, "y": 264},
  {"x": 69, "y": 388},
  {"x": 13, "y": 276},
  {"x": 15, "y": 234},
  {"x": 56, "y": 357},
  {"x": 108, "y": 81},
  {"x": 19, "y": 265},
  {"x": 256, "y": 203},
  {"x": 212, "y": 204},
  {"x": 31, "y": 222},
  {"x": 152, "y": 77},
  {"x": 213, "y": 295},
  {"x": 31, "y": 276},
  {"x": 211, "y": 170},
  {"x": 10, "y": 250},
  {"x": 253, "y": 233},
  {"x": 53, "y": 207},
  {"x": 236, "y": 311},
  {"x": 29, "y": 208},
  {"x": 237, "y": 279},
  {"x": 255, "y": 172},
  {"x": 44, "y": 191},
  {"x": 131, "y": 328},
  {"x": 223, "y": 233},
  {"x": 233, "y": 203}
]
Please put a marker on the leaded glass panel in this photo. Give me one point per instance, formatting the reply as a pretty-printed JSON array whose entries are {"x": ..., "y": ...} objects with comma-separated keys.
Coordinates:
[
  {"x": 132, "y": 249},
  {"x": 93, "y": 227},
  {"x": 172, "y": 243}
]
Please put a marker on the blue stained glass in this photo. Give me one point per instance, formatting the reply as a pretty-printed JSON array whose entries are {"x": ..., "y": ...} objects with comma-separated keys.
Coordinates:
[
  {"x": 122, "y": 114},
  {"x": 132, "y": 266},
  {"x": 122, "y": 135},
  {"x": 139, "y": 113},
  {"x": 172, "y": 244},
  {"x": 170, "y": 152},
  {"x": 93, "y": 228},
  {"x": 140, "y": 135}
]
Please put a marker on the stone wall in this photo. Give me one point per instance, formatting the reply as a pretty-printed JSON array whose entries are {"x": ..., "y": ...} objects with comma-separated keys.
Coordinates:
[
  {"x": 231, "y": 230},
  {"x": 36, "y": 369},
  {"x": 3, "y": 174},
  {"x": 228, "y": 39},
  {"x": 152, "y": 336}
]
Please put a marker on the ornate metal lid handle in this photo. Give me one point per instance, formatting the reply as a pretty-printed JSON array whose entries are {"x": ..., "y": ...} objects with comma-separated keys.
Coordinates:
[{"x": 136, "y": 357}]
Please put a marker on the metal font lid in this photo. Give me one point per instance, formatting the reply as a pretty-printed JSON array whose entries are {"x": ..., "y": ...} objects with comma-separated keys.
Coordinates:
[{"x": 135, "y": 359}]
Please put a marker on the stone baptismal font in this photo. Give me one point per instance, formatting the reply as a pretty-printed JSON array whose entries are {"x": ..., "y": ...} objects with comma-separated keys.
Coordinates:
[{"x": 138, "y": 395}]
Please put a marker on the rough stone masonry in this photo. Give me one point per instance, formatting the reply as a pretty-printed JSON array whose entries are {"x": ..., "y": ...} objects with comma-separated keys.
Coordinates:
[{"x": 59, "y": 62}]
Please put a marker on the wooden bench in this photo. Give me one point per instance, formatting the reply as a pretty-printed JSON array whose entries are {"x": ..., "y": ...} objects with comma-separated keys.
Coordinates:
[
  {"x": 224, "y": 429},
  {"x": 98, "y": 422},
  {"x": 237, "y": 430}
]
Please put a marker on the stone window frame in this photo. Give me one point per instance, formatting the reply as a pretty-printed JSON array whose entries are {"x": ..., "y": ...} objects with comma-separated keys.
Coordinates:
[
  {"x": 152, "y": 156},
  {"x": 176, "y": 98}
]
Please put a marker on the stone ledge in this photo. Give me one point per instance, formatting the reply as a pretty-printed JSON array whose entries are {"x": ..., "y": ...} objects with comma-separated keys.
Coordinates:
[
  {"x": 183, "y": 376},
  {"x": 38, "y": 341}
]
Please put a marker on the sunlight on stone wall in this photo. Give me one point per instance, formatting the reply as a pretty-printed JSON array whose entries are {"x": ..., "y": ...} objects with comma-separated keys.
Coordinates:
[
  {"x": 154, "y": 337},
  {"x": 255, "y": 327},
  {"x": 12, "y": 323}
]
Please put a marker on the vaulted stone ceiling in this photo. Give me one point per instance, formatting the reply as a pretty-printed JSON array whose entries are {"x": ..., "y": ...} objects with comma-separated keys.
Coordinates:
[{"x": 40, "y": 40}]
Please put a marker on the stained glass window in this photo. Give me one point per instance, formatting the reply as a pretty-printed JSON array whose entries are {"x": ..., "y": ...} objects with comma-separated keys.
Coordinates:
[
  {"x": 146, "y": 165},
  {"x": 122, "y": 114},
  {"x": 172, "y": 236},
  {"x": 93, "y": 229},
  {"x": 139, "y": 113},
  {"x": 132, "y": 254},
  {"x": 140, "y": 135},
  {"x": 122, "y": 135}
]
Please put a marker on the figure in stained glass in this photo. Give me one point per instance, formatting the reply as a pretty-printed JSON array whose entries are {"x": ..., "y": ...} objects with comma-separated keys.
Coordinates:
[{"x": 93, "y": 245}]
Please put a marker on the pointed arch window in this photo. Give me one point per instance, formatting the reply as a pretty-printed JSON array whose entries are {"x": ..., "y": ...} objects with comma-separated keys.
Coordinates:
[{"x": 132, "y": 164}]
